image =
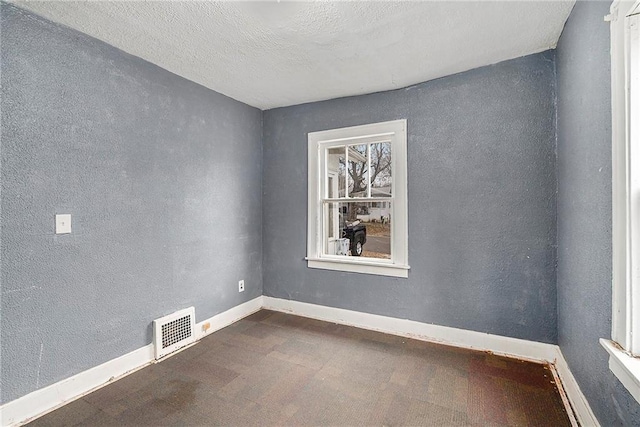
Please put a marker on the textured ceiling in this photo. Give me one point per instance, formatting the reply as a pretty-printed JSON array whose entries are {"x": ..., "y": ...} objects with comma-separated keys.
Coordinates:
[{"x": 270, "y": 54}]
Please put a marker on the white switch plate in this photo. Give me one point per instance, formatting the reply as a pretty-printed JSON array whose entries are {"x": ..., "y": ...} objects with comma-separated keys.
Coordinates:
[{"x": 63, "y": 224}]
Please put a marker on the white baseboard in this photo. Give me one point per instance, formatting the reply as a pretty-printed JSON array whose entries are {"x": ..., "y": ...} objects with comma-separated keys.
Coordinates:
[
  {"x": 577, "y": 400},
  {"x": 44, "y": 400},
  {"x": 577, "y": 405},
  {"x": 512, "y": 347},
  {"x": 228, "y": 317}
]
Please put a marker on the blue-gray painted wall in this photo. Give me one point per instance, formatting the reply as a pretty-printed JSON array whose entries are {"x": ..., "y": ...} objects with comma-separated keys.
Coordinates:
[
  {"x": 162, "y": 178},
  {"x": 584, "y": 211},
  {"x": 482, "y": 202}
]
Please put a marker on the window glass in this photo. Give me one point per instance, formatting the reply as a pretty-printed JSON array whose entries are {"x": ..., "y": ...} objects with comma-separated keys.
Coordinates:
[
  {"x": 362, "y": 229},
  {"x": 358, "y": 228},
  {"x": 381, "y": 169},
  {"x": 358, "y": 172}
]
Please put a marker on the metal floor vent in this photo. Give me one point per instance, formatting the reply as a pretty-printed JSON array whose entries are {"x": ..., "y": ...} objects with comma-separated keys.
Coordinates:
[{"x": 174, "y": 331}]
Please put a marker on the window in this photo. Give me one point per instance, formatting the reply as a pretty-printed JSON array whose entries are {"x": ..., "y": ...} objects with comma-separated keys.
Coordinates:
[
  {"x": 624, "y": 346},
  {"x": 357, "y": 208}
]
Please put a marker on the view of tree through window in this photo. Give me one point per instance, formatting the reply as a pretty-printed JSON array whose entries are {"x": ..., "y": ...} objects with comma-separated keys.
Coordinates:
[{"x": 357, "y": 205}]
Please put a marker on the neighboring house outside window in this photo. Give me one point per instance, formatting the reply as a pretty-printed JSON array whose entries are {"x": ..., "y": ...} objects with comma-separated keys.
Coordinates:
[
  {"x": 624, "y": 346},
  {"x": 357, "y": 207}
]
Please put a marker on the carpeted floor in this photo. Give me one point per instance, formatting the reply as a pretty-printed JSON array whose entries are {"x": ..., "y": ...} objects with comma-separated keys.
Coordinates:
[{"x": 278, "y": 369}]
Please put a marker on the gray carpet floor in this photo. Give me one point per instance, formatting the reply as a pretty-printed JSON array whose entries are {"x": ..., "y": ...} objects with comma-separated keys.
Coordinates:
[{"x": 278, "y": 369}]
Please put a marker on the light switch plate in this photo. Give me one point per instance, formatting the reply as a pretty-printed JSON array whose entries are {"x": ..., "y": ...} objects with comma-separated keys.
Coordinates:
[{"x": 63, "y": 224}]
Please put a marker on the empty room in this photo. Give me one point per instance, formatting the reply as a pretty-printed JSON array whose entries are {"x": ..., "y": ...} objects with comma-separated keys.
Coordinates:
[{"x": 322, "y": 213}]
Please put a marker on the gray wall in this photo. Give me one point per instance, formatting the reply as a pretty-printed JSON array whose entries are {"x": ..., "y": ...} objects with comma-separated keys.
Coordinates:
[
  {"x": 584, "y": 211},
  {"x": 162, "y": 177},
  {"x": 482, "y": 206}
]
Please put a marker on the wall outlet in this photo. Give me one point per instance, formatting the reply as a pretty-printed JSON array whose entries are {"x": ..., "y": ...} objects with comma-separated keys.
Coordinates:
[{"x": 241, "y": 286}]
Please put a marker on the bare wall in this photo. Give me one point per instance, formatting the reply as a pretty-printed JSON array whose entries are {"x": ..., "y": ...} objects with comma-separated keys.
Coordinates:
[
  {"x": 584, "y": 210},
  {"x": 162, "y": 178},
  {"x": 482, "y": 205}
]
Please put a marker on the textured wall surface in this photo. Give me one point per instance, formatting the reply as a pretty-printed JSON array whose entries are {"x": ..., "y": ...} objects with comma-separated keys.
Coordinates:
[
  {"x": 584, "y": 211},
  {"x": 162, "y": 178},
  {"x": 482, "y": 183}
]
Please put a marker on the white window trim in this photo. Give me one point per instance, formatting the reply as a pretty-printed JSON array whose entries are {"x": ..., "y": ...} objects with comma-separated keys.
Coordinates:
[
  {"x": 625, "y": 23},
  {"x": 398, "y": 266}
]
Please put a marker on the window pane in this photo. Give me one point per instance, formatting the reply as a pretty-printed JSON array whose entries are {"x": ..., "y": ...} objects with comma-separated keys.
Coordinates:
[
  {"x": 336, "y": 167},
  {"x": 358, "y": 171},
  {"x": 381, "y": 169},
  {"x": 358, "y": 229}
]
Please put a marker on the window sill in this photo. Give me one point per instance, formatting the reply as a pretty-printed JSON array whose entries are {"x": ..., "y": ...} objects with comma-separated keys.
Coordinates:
[
  {"x": 624, "y": 367},
  {"x": 364, "y": 267}
]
